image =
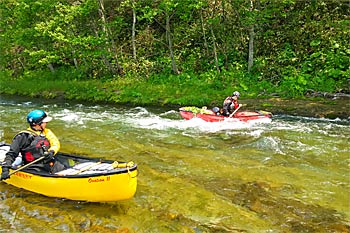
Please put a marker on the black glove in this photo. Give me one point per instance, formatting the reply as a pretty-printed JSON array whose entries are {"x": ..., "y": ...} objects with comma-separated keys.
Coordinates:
[
  {"x": 48, "y": 156},
  {"x": 5, "y": 173}
]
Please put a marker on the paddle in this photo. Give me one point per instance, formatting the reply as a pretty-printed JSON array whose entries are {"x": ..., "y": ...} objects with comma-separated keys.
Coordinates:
[
  {"x": 235, "y": 110},
  {"x": 27, "y": 165},
  {"x": 31, "y": 163}
]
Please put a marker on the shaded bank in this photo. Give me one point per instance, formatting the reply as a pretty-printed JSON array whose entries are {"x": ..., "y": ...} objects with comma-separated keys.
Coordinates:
[{"x": 320, "y": 108}]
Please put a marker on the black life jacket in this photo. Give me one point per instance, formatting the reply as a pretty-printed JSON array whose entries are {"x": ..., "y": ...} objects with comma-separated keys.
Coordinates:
[{"x": 38, "y": 145}]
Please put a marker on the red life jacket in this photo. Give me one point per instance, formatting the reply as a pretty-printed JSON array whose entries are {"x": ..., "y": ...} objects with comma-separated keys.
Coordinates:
[
  {"x": 36, "y": 148},
  {"x": 230, "y": 101}
]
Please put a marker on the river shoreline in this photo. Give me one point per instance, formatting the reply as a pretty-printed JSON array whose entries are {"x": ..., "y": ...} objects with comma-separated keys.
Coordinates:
[{"x": 320, "y": 108}]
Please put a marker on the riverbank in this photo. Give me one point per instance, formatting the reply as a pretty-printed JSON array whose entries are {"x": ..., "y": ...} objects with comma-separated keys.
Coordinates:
[
  {"x": 175, "y": 95},
  {"x": 310, "y": 107}
]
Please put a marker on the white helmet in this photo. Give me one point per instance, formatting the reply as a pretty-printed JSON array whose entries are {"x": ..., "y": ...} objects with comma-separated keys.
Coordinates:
[{"x": 236, "y": 93}]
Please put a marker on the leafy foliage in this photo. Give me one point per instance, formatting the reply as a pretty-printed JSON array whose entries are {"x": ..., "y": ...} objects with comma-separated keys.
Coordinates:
[
  {"x": 298, "y": 46},
  {"x": 196, "y": 110}
]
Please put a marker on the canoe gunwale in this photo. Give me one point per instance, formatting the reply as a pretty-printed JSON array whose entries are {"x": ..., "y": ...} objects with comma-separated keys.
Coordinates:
[
  {"x": 62, "y": 156},
  {"x": 77, "y": 176}
]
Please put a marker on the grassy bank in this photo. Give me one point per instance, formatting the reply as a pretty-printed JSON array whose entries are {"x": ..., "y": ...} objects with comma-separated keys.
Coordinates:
[
  {"x": 161, "y": 90},
  {"x": 180, "y": 90}
]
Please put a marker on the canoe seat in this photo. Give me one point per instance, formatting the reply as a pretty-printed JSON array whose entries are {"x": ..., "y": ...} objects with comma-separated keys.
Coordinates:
[{"x": 87, "y": 168}]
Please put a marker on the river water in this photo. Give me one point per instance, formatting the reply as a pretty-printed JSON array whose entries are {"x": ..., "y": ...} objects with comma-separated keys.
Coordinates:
[{"x": 288, "y": 175}]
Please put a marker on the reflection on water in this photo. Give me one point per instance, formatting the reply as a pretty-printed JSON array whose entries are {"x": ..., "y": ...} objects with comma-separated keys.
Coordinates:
[{"x": 288, "y": 175}]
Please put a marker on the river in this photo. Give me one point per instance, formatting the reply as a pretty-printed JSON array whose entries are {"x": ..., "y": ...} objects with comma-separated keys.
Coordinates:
[{"x": 288, "y": 175}]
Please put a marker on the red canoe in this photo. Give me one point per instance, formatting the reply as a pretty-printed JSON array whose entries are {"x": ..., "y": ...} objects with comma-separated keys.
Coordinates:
[{"x": 209, "y": 116}]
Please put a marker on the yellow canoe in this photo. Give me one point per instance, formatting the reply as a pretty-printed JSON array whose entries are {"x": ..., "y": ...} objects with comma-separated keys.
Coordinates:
[{"x": 85, "y": 179}]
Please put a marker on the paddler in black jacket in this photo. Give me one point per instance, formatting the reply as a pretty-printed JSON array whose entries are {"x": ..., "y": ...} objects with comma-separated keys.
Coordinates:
[{"x": 33, "y": 143}]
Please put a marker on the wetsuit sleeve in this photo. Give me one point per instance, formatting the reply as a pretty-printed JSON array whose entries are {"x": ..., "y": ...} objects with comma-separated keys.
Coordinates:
[
  {"x": 227, "y": 101},
  {"x": 18, "y": 142},
  {"x": 54, "y": 142}
]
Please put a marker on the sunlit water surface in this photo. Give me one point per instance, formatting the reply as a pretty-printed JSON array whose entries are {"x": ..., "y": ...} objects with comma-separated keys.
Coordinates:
[{"x": 290, "y": 174}]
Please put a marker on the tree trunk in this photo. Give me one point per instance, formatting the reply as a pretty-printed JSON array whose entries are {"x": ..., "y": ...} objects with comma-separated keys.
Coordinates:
[
  {"x": 74, "y": 58},
  {"x": 50, "y": 66},
  {"x": 251, "y": 42},
  {"x": 214, "y": 49},
  {"x": 170, "y": 45},
  {"x": 251, "y": 48},
  {"x": 214, "y": 39},
  {"x": 75, "y": 63},
  {"x": 109, "y": 38},
  {"x": 204, "y": 34},
  {"x": 133, "y": 32}
]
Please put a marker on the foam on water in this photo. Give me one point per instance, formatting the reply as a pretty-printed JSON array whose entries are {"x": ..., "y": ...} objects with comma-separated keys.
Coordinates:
[{"x": 148, "y": 120}]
